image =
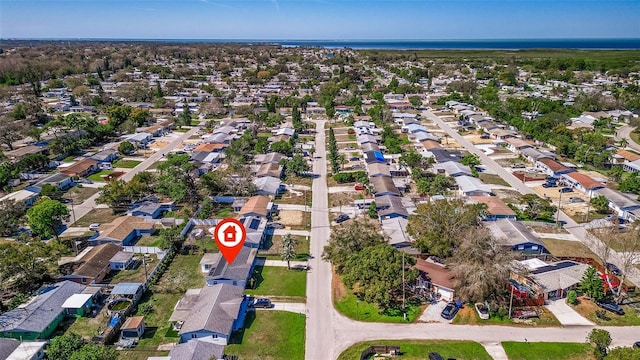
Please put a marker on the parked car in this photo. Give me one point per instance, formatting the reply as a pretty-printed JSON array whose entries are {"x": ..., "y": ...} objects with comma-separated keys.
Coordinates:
[
  {"x": 519, "y": 166},
  {"x": 449, "y": 311},
  {"x": 636, "y": 345},
  {"x": 576, "y": 200},
  {"x": 613, "y": 307},
  {"x": 525, "y": 314},
  {"x": 275, "y": 225},
  {"x": 613, "y": 268},
  {"x": 94, "y": 227},
  {"x": 566, "y": 190},
  {"x": 342, "y": 218},
  {"x": 435, "y": 356},
  {"x": 483, "y": 311},
  {"x": 549, "y": 185},
  {"x": 262, "y": 303},
  {"x": 358, "y": 187}
]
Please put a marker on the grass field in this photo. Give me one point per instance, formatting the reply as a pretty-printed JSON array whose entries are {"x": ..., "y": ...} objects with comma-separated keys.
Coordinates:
[
  {"x": 100, "y": 216},
  {"x": 419, "y": 349},
  {"x": 99, "y": 176},
  {"x": 127, "y": 164},
  {"x": 273, "y": 335},
  {"x": 78, "y": 193},
  {"x": 562, "y": 248},
  {"x": 469, "y": 316},
  {"x": 348, "y": 305},
  {"x": 547, "y": 351},
  {"x": 588, "y": 309},
  {"x": 492, "y": 179},
  {"x": 273, "y": 245},
  {"x": 278, "y": 281}
]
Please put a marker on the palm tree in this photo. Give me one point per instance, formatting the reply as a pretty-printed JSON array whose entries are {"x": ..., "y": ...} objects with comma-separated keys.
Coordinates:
[
  {"x": 288, "y": 249},
  {"x": 623, "y": 143}
]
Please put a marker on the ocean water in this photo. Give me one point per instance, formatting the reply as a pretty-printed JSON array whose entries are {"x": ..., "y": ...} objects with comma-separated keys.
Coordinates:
[{"x": 495, "y": 44}]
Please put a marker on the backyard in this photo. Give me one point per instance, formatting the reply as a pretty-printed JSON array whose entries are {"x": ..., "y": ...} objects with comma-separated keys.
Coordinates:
[
  {"x": 276, "y": 281},
  {"x": 418, "y": 349},
  {"x": 274, "y": 335}
]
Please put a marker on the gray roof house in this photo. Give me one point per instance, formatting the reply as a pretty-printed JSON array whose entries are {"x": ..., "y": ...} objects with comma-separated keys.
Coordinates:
[
  {"x": 267, "y": 185},
  {"x": 395, "y": 230},
  {"x": 107, "y": 155},
  {"x": 39, "y": 318},
  {"x": 219, "y": 271},
  {"x": 471, "y": 186},
  {"x": 516, "y": 236},
  {"x": 196, "y": 350},
  {"x": 150, "y": 209},
  {"x": 626, "y": 206},
  {"x": 390, "y": 207},
  {"x": 452, "y": 168},
  {"x": 212, "y": 312}
]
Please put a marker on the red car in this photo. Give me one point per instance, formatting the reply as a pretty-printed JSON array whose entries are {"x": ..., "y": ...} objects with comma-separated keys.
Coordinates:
[{"x": 359, "y": 187}]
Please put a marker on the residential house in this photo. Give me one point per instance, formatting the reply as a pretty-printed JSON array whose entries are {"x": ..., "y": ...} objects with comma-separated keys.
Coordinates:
[
  {"x": 383, "y": 185},
  {"x": 378, "y": 169},
  {"x": 25, "y": 197},
  {"x": 39, "y": 318},
  {"x": 621, "y": 156},
  {"x": 11, "y": 349},
  {"x": 390, "y": 207},
  {"x": 105, "y": 156},
  {"x": 431, "y": 144},
  {"x": 624, "y": 205},
  {"x": 552, "y": 167},
  {"x": 582, "y": 182},
  {"x": 258, "y": 206},
  {"x": 366, "y": 139},
  {"x": 452, "y": 168},
  {"x": 268, "y": 185},
  {"x": 219, "y": 271},
  {"x": 78, "y": 305},
  {"x": 270, "y": 169},
  {"x": 442, "y": 156},
  {"x": 212, "y": 312},
  {"x": 631, "y": 166},
  {"x": 551, "y": 281},
  {"x": 435, "y": 278},
  {"x": 502, "y": 134},
  {"x": 17, "y": 154},
  {"x": 396, "y": 231},
  {"x": 369, "y": 147},
  {"x": 81, "y": 168},
  {"x": 470, "y": 186},
  {"x": 141, "y": 139},
  {"x": 133, "y": 328},
  {"x": 534, "y": 155},
  {"x": 149, "y": 209},
  {"x": 516, "y": 145},
  {"x": 123, "y": 230},
  {"x": 121, "y": 260},
  {"x": 94, "y": 265},
  {"x": 195, "y": 350},
  {"x": 496, "y": 208},
  {"x": 371, "y": 157},
  {"x": 268, "y": 158},
  {"x": 516, "y": 236},
  {"x": 255, "y": 227},
  {"x": 59, "y": 180}
]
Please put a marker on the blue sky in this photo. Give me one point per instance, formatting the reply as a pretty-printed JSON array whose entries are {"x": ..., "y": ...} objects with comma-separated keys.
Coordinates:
[{"x": 319, "y": 19}]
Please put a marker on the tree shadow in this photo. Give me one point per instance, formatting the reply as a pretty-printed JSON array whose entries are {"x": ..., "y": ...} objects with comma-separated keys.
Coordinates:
[
  {"x": 267, "y": 243},
  {"x": 256, "y": 278}
]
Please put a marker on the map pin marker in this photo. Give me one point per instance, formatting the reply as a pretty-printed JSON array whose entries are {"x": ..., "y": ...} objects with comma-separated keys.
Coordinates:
[{"x": 230, "y": 235}]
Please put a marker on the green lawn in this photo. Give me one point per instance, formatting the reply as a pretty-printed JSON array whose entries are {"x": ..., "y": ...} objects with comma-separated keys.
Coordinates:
[
  {"x": 492, "y": 179},
  {"x": 99, "y": 176},
  {"x": 547, "y": 351},
  {"x": 469, "y": 316},
  {"x": 79, "y": 194},
  {"x": 349, "y": 306},
  {"x": 127, "y": 164},
  {"x": 278, "y": 281},
  {"x": 419, "y": 349},
  {"x": 184, "y": 273},
  {"x": 273, "y": 335},
  {"x": 273, "y": 245},
  {"x": 100, "y": 216}
]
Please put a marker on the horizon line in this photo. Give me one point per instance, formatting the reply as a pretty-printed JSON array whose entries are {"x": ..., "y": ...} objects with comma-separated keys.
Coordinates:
[{"x": 313, "y": 40}]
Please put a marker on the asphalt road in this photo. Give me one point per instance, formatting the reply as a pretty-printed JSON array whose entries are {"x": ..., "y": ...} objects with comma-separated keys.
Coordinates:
[
  {"x": 89, "y": 204},
  {"x": 578, "y": 231},
  {"x": 624, "y": 132}
]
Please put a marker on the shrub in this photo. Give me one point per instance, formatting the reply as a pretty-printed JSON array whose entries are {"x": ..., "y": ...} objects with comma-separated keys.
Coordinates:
[{"x": 572, "y": 297}]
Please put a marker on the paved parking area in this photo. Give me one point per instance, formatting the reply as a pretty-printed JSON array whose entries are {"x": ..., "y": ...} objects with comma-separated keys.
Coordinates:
[
  {"x": 432, "y": 313},
  {"x": 565, "y": 314}
]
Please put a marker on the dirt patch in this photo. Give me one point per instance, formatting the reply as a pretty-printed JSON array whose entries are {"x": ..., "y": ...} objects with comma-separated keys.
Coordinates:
[
  {"x": 508, "y": 162},
  {"x": 551, "y": 229},
  {"x": 567, "y": 248},
  {"x": 337, "y": 287},
  {"x": 158, "y": 144},
  {"x": 508, "y": 196},
  {"x": 290, "y": 217},
  {"x": 296, "y": 198},
  {"x": 100, "y": 216},
  {"x": 344, "y": 199},
  {"x": 477, "y": 140}
]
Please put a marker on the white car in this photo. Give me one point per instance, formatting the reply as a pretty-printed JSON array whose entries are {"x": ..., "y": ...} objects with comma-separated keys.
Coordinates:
[{"x": 94, "y": 227}]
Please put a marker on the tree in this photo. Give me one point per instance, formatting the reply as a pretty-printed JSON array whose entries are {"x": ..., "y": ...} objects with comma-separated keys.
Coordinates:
[
  {"x": 572, "y": 297},
  {"x": 288, "y": 251},
  {"x": 416, "y": 101},
  {"x": 46, "y": 217},
  {"x": 375, "y": 274},
  {"x": 592, "y": 284},
  {"x": 283, "y": 147},
  {"x": 170, "y": 238},
  {"x": 176, "y": 179},
  {"x": 471, "y": 160},
  {"x": 11, "y": 216},
  {"x": 348, "y": 239},
  {"x": 536, "y": 207},
  {"x": 438, "y": 226},
  {"x": 297, "y": 165},
  {"x": 126, "y": 148},
  {"x": 29, "y": 265},
  {"x": 481, "y": 267},
  {"x": 213, "y": 182},
  {"x": 95, "y": 352},
  {"x": 600, "y": 339},
  {"x": 62, "y": 347},
  {"x": 372, "y": 211},
  {"x": 600, "y": 203}
]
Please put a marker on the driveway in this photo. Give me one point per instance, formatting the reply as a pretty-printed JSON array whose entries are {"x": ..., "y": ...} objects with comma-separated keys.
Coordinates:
[
  {"x": 432, "y": 313},
  {"x": 566, "y": 315},
  {"x": 299, "y": 308}
]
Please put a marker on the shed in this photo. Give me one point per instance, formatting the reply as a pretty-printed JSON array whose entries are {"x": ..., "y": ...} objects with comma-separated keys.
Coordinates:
[
  {"x": 78, "y": 304},
  {"x": 133, "y": 328}
]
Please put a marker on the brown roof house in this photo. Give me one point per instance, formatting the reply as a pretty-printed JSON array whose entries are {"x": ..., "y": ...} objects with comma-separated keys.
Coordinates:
[
  {"x": 259, "y": 206},
  {"x": 133, "y": 328},
  {"x": 123, "y": 230},
  {"x": 81, "y": 168},
  {"x": 496, "y": 208},
  {"x": 435, "y": 278},
  {"x": 95, "y": 265}
]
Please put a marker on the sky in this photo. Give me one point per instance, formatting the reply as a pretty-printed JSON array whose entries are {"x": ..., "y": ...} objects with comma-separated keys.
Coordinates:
[{"x": 320, "y": 19}]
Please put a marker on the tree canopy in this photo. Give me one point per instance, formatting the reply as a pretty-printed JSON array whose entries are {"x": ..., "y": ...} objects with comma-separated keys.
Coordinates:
[
  {"x": 349, "y": 239},
  {"x": 46, "y": 217}
]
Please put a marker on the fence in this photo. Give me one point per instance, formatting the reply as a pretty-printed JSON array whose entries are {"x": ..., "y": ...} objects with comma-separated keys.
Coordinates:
[{"x": 146, "y": 250}]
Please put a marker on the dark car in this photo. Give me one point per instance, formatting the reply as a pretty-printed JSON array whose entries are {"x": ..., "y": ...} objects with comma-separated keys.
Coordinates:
[
  {"x": 549, "y": 185},
  {"x": 342, "y": 218},
  {"x": 263, "y": 303},
  {"x": 614, "y": 269},
  {"x": 576, "y": 200},
  {"x": 435, "y": 356},
  {"x": 636, "y": 345},
  {"x": 275, "y": 225},
  {"x": 449, "y": 311},
  {"x": 613, "y": 307},
  {"x": 566, "y": 190}
]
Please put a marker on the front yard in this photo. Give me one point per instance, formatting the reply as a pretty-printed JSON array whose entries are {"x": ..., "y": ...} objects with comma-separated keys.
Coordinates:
[
  {"x": 469, "y": 316},
  {"x": 276, "y": 281},
  {"x": 418, "y": 349},
  {"x": 273, "y": 335},
  {"x": 98, "y": 215},
  {"x": 492, "y": 179},
  {"x": 547, "y": 351},
  {"x": 588, "y": 308},
  {"x": 79, "y": 193},
  {"x": 568, "y": 248},
  {"x": 272, "y": 247},
  {"x": 126, "y": 164}
]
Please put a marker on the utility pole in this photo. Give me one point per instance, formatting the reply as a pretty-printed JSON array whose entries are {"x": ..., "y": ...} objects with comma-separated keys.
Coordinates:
[
  {"x": 404, "y": 309},
  {"x": 558, "y": 211},
  {"x": 510, "y": 301}
]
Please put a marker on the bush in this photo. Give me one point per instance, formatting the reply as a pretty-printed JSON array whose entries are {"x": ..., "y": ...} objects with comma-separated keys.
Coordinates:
[
  {"x": 347, "y": 177},
  {"x": 572, "y": 297}
]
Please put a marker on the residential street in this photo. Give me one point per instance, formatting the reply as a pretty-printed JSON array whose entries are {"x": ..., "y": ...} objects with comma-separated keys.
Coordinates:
[
  {"x": 81, "y": 210},
  {"x": 624, "y": 132},
  {"x": 578, "y": 231}
]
